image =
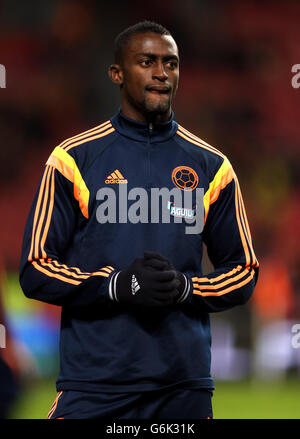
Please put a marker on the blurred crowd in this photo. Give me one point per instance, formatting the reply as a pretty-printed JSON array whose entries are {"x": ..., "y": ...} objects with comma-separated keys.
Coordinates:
[{"x": 235, "y": 92}]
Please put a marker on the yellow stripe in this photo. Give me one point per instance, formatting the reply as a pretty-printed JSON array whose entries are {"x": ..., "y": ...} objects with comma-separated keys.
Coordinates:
[
  {"x": 87, "y": 133},
  {"x": 222, "y": 284},
  {"x": 36, "y": 213},
  {"x": 70, "y": 273},
  {"x": 58, "y": 164},
  {"x": 223, "y": 177},
  {"x": 63, "y": 270},
  {"x": 49, "y": 215},
  {"x": 242, "y": 234},
  {"x": 114, "y": 176},
  {"x": 54, "y": 405},
  {"x": 102, "y": 271},
  {"x": 216, "y": 279},
  {"x": 42, "y": 215},
  {"x": 69, "y": 268},
  {"x": 64, "y": 157},
  {"x": 193, "y": 136},
  {"x": 108, "y": 269},
  {"x": 196, "y": 142},
  {"x": 246, "y": 225},
  {"x": 71, "y": 171},
  {"x": 57, "y": 276},
  {"x": 90, "y": 138},
  {"x": 227, "y": 290}
]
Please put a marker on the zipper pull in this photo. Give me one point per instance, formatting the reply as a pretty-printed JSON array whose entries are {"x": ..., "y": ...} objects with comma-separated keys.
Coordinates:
[{"x": 150, "y": 127}]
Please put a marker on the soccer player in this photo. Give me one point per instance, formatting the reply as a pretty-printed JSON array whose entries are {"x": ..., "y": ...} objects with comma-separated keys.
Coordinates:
[{"x": 135, "y": 333}]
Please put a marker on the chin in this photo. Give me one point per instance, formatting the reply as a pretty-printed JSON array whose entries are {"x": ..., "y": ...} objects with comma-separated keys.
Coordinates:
[{"x": 157, "y": 107}]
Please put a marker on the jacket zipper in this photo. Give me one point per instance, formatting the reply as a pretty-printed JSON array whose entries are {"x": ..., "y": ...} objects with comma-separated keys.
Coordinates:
[{"x": 150, "y": 130}]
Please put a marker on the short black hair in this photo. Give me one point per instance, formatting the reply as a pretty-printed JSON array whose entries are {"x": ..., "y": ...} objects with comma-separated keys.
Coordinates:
[{"x": 139, "y": 28}]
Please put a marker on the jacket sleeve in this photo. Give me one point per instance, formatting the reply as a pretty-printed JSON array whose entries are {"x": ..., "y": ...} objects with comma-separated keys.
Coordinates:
[
  {"x": 229, "y": 245},
  {"x": 60, "y": 202}
]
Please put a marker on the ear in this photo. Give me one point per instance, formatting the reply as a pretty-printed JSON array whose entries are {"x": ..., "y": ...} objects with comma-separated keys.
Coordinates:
[{"x": 116, "y": 74}]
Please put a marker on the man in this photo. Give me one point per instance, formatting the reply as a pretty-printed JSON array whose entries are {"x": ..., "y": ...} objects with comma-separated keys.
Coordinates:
[{"x": 135, "y": 336}]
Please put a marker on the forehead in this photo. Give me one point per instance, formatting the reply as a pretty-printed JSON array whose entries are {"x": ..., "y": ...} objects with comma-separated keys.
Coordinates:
[{"x": 160, "y": 45}]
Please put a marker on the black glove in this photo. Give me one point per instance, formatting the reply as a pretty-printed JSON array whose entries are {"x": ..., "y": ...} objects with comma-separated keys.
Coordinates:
[
  {"x": 157, "y": 261},
  {"x": 143, "y": 285}
]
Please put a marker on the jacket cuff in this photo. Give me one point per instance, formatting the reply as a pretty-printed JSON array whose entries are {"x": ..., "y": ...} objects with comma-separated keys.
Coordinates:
[
  {"x": 112, "y": 288},
  {"x": 186, "y": 290}
]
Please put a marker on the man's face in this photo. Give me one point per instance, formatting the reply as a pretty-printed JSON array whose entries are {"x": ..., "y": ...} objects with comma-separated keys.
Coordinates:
[{"x": 150, "y": 73}]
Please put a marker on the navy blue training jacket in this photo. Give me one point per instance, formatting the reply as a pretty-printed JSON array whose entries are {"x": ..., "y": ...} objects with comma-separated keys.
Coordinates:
[{"x": 70, "y": 253}]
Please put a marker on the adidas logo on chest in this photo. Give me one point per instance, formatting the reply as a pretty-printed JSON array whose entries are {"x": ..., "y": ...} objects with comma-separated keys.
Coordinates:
[{"x": 116, "y": 177}]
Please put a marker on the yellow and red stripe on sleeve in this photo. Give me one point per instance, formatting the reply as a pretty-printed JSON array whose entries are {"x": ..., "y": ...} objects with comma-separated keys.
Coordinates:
[
  {"x": 39, "y": 214},
  {"x": 222, "y": 178},
  {"x": 244, "y": 226},
  {"x": 42, "y": 218},
  {"x": 217, "y": 286},
  {"x": 58, "y": 271},
  {"x": 240, "y": 275},
  {"x": 67, "y": 166}
]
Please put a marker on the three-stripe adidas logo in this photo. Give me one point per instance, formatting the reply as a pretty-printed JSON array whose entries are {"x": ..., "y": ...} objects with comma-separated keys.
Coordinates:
[
  {"x": 134, "y": 285},
  {"x": 116, "y": 178}
]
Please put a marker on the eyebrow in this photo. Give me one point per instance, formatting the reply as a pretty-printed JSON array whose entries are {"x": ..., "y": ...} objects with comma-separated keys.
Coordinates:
[{"x": 153, "y": 56}]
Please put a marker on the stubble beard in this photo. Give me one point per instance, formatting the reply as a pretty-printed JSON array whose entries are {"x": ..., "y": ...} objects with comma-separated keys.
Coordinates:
[
  {"x": 155, "y": 108},
  {"x": 152, "y": 108}
]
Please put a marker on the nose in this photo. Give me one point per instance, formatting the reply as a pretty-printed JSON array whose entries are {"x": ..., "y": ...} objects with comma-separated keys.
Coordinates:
[{"x": 160, "y": 73}]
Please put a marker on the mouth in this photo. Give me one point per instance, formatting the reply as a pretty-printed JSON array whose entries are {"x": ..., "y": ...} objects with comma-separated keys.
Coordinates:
[{"x": 158, "y": 89}]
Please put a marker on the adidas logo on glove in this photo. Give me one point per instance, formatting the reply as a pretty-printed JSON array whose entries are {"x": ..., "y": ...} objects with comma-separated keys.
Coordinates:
[{"x": 134, "y": 285}]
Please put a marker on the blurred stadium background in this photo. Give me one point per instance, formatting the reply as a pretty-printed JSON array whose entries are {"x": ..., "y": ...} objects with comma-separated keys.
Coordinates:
[{"x": 236, "y": 93}]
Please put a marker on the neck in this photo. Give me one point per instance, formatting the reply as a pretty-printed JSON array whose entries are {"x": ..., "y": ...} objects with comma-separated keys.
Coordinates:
[{"x": 138, "y": 130}]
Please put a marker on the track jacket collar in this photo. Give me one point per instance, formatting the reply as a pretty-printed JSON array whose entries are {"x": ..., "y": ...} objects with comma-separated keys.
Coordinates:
[{"x": 143, "y": 132}]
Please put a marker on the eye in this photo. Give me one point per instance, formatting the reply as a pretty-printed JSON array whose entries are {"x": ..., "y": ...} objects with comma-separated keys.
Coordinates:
[
  {"x": 172, "y": 64},
  {"x": 146, "y": 62}
]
